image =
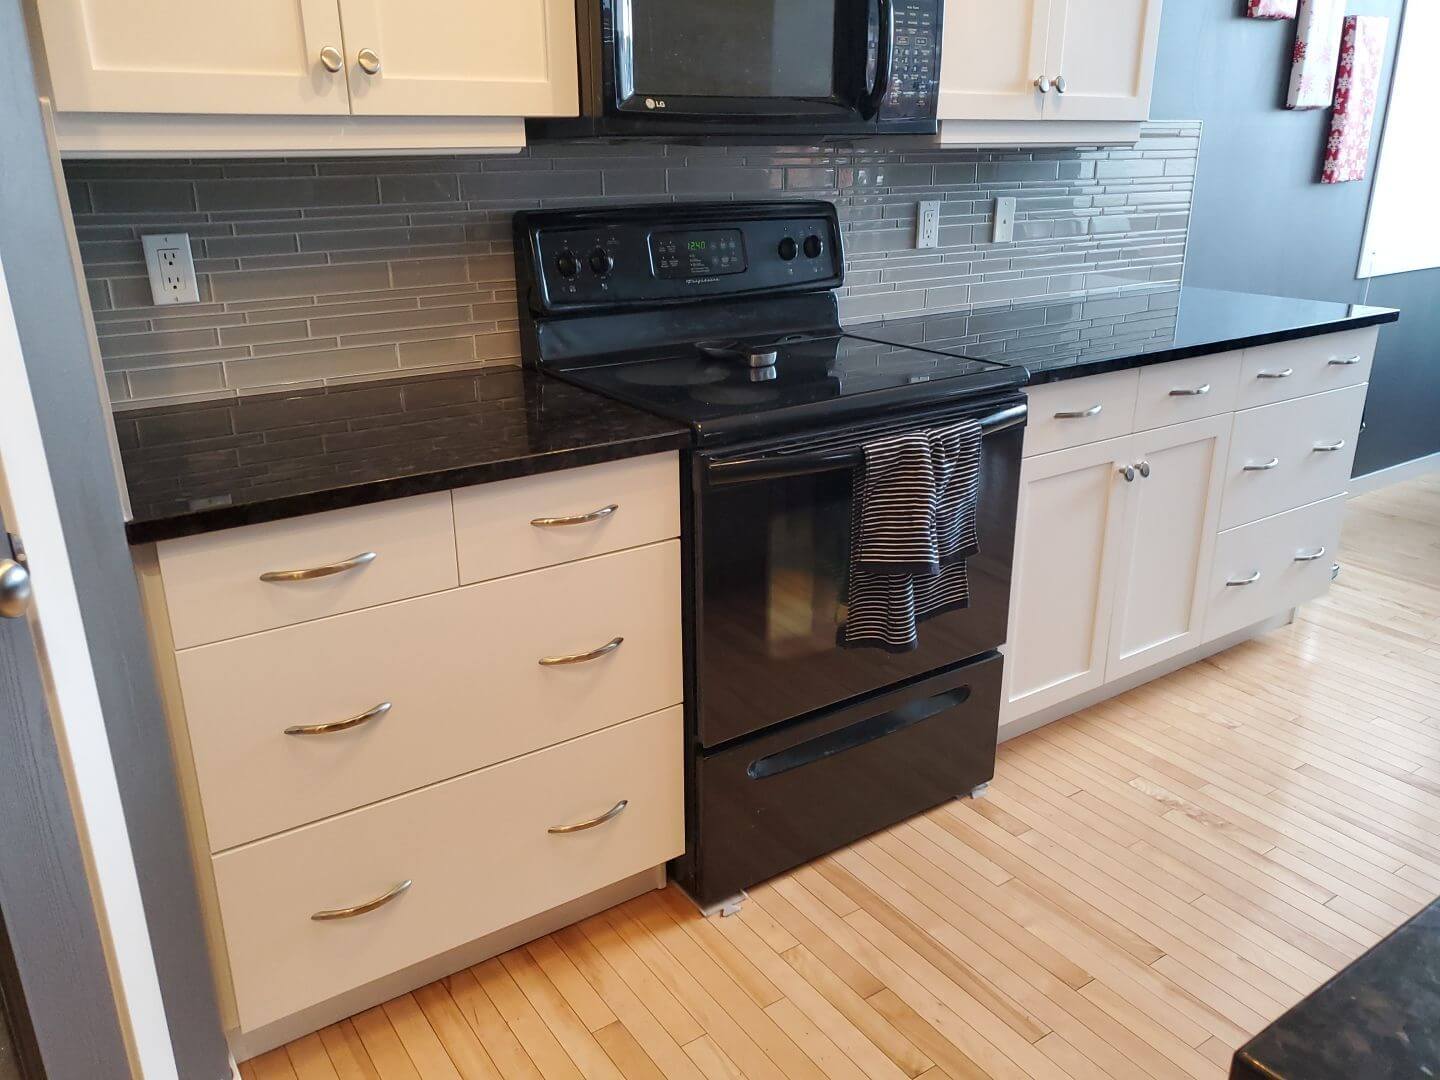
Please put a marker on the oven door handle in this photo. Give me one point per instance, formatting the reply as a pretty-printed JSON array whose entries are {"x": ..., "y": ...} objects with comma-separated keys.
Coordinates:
[
  {"x": 884, "y": 62},
  {"x": 776, "y": 466}
]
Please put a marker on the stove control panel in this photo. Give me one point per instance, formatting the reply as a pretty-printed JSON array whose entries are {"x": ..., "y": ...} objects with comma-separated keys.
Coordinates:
[{"x": 586, "y": 259}]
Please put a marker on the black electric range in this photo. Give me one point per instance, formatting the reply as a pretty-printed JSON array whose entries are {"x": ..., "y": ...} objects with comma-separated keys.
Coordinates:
[{"x": 723, "y": 317}]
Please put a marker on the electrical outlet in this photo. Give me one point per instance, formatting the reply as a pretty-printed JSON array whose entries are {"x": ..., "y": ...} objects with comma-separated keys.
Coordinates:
[
  {"x": 1004, "y": 221},
  {"x": 927, "y": 227},
  {"x": 172, "y": 268}
]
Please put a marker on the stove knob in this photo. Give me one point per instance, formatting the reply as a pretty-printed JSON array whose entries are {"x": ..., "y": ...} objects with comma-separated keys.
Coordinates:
[
  {"x": 788, "y": 249},
  {"x": 567, "y": 264},
  {"x": 601, "y": 261},
  {"x": 813, "y": 246}
]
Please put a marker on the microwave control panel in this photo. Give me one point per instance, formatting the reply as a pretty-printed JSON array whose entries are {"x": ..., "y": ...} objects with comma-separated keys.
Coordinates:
[
  {"x": 915, "y": 71},
  {"x": 625, "y": 260}
]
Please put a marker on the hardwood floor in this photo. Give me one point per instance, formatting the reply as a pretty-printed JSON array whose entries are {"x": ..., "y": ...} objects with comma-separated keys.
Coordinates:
[{"x": 1148, "y": 883}]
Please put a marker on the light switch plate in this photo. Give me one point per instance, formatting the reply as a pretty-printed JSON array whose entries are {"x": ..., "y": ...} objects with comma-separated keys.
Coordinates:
[
  {"x": 172, "y": 268},
  {"x": 1004, "y": 220},
  {"x": 927, "y": 227}
]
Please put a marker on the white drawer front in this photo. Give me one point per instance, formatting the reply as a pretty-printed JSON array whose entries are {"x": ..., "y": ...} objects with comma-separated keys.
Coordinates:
[
  {"x": 1079, "y": 411},
  {"x": 1187, "y": 390},
  {"x": 213, "y": 586},
  {"x": 1314, "y": 365},
  {"x": 477, "y": 850},
  {"x": 1274, "y": 564},
  {"x": 1278, "y": 459},
  {"x": 495, "y": 523},
  {"x": 460, "y": 672}
]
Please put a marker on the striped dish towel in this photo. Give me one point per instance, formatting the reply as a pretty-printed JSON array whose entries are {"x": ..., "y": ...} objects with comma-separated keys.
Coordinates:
[{"x": 912, "y": 530}]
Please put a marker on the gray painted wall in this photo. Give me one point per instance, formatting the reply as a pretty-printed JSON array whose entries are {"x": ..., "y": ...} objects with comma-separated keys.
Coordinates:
[{"x": 1261, "y": 221}]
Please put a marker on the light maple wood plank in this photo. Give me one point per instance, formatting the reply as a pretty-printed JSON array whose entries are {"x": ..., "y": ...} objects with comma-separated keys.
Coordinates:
[
  {"x": 309, "y": 1059},
  {"x": 347, "y": 1053}
]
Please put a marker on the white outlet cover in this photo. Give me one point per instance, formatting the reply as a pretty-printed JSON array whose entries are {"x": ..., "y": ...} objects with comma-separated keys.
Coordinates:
[
  {"x": 1004, "y": 220},
  {"x": 927, "y": 224},
  {"x": 171, "y": 267}
]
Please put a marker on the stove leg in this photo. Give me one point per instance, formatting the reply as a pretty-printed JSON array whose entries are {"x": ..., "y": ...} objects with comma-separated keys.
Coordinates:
[{"x": 979, "y": 790}]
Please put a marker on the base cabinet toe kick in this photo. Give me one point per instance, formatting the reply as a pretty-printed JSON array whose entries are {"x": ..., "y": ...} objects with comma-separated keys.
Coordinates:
[
  {"x": 410, "y": 729},
  {"x": 1167, "y": 508}
]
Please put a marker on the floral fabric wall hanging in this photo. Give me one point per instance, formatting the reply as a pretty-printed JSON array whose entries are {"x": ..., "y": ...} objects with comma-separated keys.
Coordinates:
[
  {"x": 1317, "y": 53},
  {"x": 1271, "y": 9},
  {"x": 1357, "y": 89}
]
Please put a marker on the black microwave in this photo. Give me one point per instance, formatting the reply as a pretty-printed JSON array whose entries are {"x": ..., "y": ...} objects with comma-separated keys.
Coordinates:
[{"x": 765, "y": 68}]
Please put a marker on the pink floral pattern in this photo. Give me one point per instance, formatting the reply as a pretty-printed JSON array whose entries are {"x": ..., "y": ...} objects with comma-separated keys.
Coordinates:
[
  {"x": 1317, "y": 52},
  {"x": 1357, "y": 89},
  {"x": 1271, "y": 9}
]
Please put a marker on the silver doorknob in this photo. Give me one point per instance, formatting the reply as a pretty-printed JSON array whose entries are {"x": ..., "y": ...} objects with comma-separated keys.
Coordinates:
[
  {"x": 1144, "y": 468},
  {"x": 1042, "y": 84},
  {"x": 331, "y": 59},
  {"x": 369, "y": 61},
  {"x": 1059, "y": 83},
  {"x": 14, "y": 589},
  {"x": 1128, "y": 472}
]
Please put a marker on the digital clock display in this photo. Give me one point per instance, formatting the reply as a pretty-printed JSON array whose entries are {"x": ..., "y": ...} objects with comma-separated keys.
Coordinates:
[{"x": 697, "y": 254}]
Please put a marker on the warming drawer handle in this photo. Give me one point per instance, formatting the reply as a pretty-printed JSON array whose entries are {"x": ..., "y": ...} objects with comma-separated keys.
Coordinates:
[
  {"x": 1329, "y": 448},
  {"x": 1264, "y": 466},
  {"x": 1310, "y": 556},
  {"x": 341, "y": 725},
  {"x": 1233, "y": 582},
  {"x": 1283, "y": 373},
  {"x": 584, "y": 657},
  {"x": 1198, "y": 391},
  {"x": 576, "y": 519},
  {"x": 580, "y": 826},
  {"x": 365, "y": 908},
  {"x": 365, "y": 558},
  {"x": 1080, "y": 414}
]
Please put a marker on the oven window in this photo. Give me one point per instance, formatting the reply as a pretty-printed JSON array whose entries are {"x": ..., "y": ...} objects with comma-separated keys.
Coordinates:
[{"x": 735, "y": 48}]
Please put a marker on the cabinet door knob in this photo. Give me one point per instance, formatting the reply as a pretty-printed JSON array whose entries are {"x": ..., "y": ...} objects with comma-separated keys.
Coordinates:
[
  {"x": 1143, "y": 467},
  {"x": 331, "y": 59},
  {"x": 1128, "y": 472},
  {"x": 1059, "y": 84},
  {"x": 14, "y": 589},
  {"x": 369, "y": 61},
  {"x": 1042, "y": 84}
]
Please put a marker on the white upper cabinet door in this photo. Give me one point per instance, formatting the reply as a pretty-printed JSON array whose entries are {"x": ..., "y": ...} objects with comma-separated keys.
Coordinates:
[
  {"x": 200, "y": 56},
  {"x": 1104, "y": 50},
  {"x": 992, "y": 53},
  {"x": 461, "y": 57},
  {"x": 1169, "y": 542},
  {"x": 1067, "y": 555}
]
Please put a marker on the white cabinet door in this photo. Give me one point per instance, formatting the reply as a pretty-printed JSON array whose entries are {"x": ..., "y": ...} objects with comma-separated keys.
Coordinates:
[
  {"x": 991, "y": 55},
  {"x": 200, "y": 56},
  {"x": 1105, "y": 52},
  {"x": 1169, "y": 543},
  {"x": 1067, "y": 554},
  {"x": 461, "y": 57}
]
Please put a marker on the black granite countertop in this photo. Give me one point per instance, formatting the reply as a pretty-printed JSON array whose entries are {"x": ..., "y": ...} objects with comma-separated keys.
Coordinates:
[
  {"x": 1379, "y": 1019},
  {"x": 1067, "y": 339},
  {"x": 212, "y": 465}
]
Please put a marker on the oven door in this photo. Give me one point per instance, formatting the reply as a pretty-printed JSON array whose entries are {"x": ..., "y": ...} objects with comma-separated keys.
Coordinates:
[
  {"x": 815, "y": 62},
  {"x": 772, "y": 540}
]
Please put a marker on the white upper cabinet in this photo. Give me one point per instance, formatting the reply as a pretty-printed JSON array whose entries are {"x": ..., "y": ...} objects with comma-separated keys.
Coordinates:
[
  {"x": 312, "y": 58},
  {"x": 1102, "y": 52},
  {"x": 1090, "y": 60},
  {"x": 201, "y": 56},
  {"x": 461, "y": 57},
  {"x": 990, "y": 57}
]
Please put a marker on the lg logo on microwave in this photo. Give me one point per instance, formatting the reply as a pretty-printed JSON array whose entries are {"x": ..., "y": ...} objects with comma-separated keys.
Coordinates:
[{"x": 654, "y": 103}]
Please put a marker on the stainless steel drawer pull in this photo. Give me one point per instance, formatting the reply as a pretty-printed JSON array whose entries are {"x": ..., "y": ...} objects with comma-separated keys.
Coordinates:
[
  {"x": 577, "y": 519},
  {"x": 1199, "y": 391},
  {"x": 1345, "y": 361},
  {"x": 362, "y": 909},
  {"x": 1310, "y": 556},
  {"x": 1244, "y": 580},
  {"x": 580, "y": 658},
  {"x": 1265, "y": 466},
  {"x": 365, "y": 558},
  {"x": 580, "y": 826},
  {"x": 1283, "y": 373},
  {"x": 340, "y": 725},
  {"x": 1080, "y": 414},
  {"x": 1329, "y": 448}
]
